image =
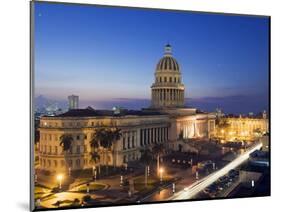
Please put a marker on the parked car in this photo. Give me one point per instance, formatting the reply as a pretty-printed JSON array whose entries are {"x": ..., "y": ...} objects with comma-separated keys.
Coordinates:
[{"x": 233, "y": 173}]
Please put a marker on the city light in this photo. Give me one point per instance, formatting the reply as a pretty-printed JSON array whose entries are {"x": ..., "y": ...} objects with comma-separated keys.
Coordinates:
[
  {"x": 161, "y": 174},
  {"x": 59, "y": 178}
]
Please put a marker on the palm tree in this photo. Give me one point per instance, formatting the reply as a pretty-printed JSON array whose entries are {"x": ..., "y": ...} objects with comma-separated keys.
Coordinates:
[
  {"x": 159, "y": 150},
  {"x": 95, "y": 159},
  {"x": 105, "y": 138},
  {"x": 146, "y": 158},
  {"x": 66, "y": 143}
]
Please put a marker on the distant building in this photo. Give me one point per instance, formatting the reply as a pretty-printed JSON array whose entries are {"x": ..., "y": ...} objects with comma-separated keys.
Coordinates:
[
  {"x": 231, "y": 127},
  {"x": 73, "y": 102}
]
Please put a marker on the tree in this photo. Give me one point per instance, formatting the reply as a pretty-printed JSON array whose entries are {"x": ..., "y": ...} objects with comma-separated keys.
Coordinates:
[
  {"x": 159, "y": 150},
  {"x": 258, "y": 131},
  {"x": 66, "y": 143},
  {"x": 223, "y": 127},
  {"x": 95, "y": 159},
  {"x": 105, "y": 138},
  {"x": 146, "y": 158}
]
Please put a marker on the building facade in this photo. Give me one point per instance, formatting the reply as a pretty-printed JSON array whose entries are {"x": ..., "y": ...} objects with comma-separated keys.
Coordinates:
[
  {"x": 166, "y": 122},
  {"x": 243, "y": 127}
]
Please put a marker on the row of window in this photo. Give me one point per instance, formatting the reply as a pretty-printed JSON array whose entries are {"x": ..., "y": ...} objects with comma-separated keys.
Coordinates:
[
  {"x": 129, "y": 141},
  {"x": 56, "y": 137},
  {"x": 54, "y": 150},
  {"x": 153, "y": 135},
  {"x": 168, "y": 79},
  {"x": 130, "y": 157},
  {"x": 73, "y": 124},
  {"x": 47, "y": 163}
]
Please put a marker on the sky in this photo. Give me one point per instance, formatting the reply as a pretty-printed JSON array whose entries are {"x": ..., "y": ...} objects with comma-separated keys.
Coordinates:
[{"x": 105, "y": 53}]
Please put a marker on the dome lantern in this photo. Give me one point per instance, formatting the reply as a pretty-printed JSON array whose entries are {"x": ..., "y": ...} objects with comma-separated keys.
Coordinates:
[{"x": 168, "y": 62}]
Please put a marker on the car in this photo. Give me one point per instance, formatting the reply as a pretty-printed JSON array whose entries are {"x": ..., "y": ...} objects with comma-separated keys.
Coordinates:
[
  {"x": 223, "y": 179},
  {"x": 233, "y": 173}
]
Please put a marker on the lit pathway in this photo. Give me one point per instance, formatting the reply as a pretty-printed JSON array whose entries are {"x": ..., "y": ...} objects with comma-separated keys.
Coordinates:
[{"x": 199, "y": 185}]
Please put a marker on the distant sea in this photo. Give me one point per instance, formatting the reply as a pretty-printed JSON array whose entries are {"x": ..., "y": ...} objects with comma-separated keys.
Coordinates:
[{"x": 230, "y": 104}]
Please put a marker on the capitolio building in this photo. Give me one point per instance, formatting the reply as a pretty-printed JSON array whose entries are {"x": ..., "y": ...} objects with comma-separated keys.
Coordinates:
[{"x": 166, "y": 121}]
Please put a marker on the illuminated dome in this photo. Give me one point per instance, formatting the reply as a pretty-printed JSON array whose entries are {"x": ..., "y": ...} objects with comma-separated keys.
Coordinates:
[
  {"x": 168, "y": 63},
  {"x": 167, "y": 89}
]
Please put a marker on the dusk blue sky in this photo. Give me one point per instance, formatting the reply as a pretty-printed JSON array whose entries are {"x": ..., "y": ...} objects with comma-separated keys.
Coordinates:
[{"x": 103, "y": 54}]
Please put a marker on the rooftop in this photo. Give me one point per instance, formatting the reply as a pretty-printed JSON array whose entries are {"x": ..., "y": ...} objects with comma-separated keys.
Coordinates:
[{"x": 88, "y": 112}]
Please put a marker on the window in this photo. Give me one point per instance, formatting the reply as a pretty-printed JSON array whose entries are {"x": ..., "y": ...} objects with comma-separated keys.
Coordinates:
[
  {"x": 55, "y": 163},
  {"x": 78, "y": 162},
  {"x": 141, "y": 137},
  {"x": 124, "y": 159},
  {"x": 78, "y": 149},
  {"x": 148, "y": 136},
  {"x": 133, "y": 141},
  {"x": 170, "y": 79},
  {"x": 124, "y": 143},
  {"x": 78, "y": 137},
  {"x": 62, "y": 163},
  {"x": 160, "y": 79},
  {"x": 175, "y": 80},
  {"x": 165, "y": 79},
  {"x": 129, "y": 142},
  {"x": 56, "y": 150},
  {"x": 50, "y": 137}
]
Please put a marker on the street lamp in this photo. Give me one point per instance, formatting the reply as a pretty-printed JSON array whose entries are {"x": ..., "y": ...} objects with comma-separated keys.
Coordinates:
[
  {"x": 197, "y": 175},
  {"x": 174, "y": 187},
  {"x": 161, "y": 174},
  {"x": 95, "y": 173},
  {"x": 121, "y": 180},
  {"x": 88, "y": 188},
  {"x": 59, "y": 178}
]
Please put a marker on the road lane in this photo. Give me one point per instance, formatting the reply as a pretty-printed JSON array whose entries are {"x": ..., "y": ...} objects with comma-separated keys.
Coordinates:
[{"x": 198, "y": 186}]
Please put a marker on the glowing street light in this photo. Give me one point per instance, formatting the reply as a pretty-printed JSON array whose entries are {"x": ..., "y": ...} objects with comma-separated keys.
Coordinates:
[
  {"x": 95, "y": 173},
  {"x": 161, "y": 174},
  {"x": 121, "y": 180},
  {"x": 59, "y": 178},
  {"x": 174, "y": 187}
]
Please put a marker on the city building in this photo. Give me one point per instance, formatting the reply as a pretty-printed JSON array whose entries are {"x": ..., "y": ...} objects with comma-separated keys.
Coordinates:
[
  {"x": 250, "y": 127},
  {"x": 167, "y": 121},
  {"x": 73, "y": 102}
]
